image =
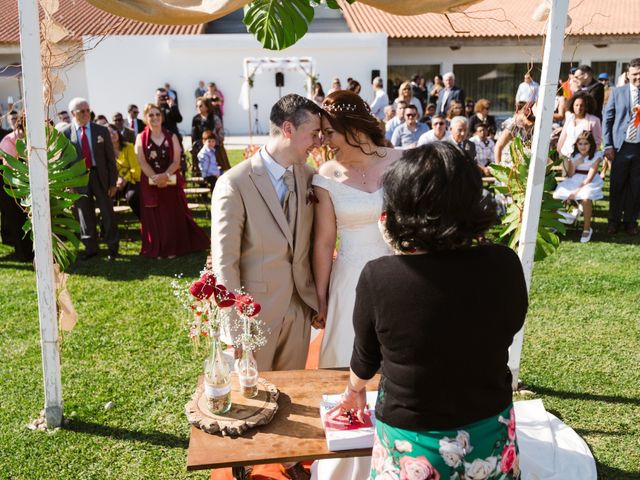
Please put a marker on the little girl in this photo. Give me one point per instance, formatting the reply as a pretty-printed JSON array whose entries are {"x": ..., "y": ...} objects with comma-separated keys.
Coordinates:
[{"x": 583, "y": 184}]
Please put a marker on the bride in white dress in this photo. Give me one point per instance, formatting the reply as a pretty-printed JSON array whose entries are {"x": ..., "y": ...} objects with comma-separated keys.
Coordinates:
[{"x": 349, "y": 206}]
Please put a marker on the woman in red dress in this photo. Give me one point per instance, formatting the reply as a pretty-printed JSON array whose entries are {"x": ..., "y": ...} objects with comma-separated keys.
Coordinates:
[{"x": 168, "y": 229}]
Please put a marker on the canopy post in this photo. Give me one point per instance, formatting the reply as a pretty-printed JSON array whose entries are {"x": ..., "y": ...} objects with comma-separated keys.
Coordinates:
[
  {"x": 41, "y": 215},
  {"x": 540, "y": 147}
]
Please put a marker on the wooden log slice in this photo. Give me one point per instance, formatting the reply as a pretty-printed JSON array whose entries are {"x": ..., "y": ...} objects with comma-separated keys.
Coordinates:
[{"x": 245, "y": 412}]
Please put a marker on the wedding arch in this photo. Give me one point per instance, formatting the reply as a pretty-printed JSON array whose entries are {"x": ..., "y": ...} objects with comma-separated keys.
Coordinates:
[
  {"x": 30, "y": 48},
  {"x": 254, "y": 66}
]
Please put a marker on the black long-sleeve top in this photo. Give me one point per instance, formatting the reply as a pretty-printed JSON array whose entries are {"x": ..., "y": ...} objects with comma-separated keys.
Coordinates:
[{"x": 441, "y": 324}]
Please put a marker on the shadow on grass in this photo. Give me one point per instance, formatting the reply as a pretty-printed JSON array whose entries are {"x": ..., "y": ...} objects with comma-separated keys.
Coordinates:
[
  {"x": 583, "y": 396},
  {"x": 153, "y": 437},
  {"x": 610, "y": 473}
]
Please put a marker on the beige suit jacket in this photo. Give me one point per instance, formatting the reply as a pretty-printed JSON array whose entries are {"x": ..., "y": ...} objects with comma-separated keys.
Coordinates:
[{"x": 252, "y": 245}]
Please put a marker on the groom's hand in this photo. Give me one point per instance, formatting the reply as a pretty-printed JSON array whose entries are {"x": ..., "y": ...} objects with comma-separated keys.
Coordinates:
[{"x": 318, "y": 321}]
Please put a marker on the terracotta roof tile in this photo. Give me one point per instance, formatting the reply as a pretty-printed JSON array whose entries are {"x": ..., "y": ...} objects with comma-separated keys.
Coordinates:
[
  {"x": 497, "y": 18},
  {"x": 81, "y": 18}
]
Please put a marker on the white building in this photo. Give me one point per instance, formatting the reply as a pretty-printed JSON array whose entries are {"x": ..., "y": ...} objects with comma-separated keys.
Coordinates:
[{"x": 489, "y": 48}]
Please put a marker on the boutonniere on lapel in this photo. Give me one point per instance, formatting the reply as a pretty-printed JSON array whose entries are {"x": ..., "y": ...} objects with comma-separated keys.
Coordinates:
[
  {"x": 311, "y": 196},
  {"x": 100, "y": 139}
]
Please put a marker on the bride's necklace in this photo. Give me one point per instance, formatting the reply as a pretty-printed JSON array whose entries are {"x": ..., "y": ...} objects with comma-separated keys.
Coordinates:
[{"x": 362, "y": 172}]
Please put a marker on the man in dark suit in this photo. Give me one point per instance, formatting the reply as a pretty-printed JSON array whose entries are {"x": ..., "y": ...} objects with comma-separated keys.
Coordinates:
[
  {"x": 450, "y": 93},
  {"x": 94, "y": 148},
  {"x": 590, "y": 85},
  {"x": 458, "y": 130},
  {"x": 133, "y": 122},
  {"x": 128, "y": 135},
  {"x": 622, "y": 147}
]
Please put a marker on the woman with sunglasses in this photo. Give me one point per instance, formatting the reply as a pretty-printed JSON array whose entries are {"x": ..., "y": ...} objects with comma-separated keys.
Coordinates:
[{"x": 167, "y": 227}]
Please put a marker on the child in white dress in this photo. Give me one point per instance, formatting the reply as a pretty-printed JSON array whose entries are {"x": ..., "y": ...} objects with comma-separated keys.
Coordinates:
[{"x": 582, "y": 184}]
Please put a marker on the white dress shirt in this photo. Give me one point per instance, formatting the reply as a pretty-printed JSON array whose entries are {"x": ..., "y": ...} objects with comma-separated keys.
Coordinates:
[
  {"x": 430, "y": 136},
  {"x": 276, "y": 173},
  {"x": 88, "y": 134},
  {"x": 380, "y": 101}
]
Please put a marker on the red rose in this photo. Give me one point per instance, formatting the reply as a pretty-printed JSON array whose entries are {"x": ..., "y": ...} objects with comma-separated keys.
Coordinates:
[
  {"x": 223, "y": 297},
  {"x": 196, "y": 289},
  {"x": 509, "y": 457},
  {"x": 246, "y": 306}
]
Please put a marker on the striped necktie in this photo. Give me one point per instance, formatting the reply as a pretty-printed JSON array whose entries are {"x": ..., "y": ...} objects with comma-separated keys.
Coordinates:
[{"x": 632, "y": 131}]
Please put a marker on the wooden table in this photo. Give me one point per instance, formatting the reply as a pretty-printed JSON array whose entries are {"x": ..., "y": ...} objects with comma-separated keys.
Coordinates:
[{"x": 295, "y": 433}]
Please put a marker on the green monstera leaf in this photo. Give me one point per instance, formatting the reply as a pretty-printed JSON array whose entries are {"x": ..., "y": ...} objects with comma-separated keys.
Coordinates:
[
  {"x": 278, "y": 24},
  {"x": 65, "y": 173}
]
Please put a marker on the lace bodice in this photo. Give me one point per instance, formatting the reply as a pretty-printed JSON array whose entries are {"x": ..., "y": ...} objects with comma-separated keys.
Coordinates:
[{"x": 357, "y": 213}]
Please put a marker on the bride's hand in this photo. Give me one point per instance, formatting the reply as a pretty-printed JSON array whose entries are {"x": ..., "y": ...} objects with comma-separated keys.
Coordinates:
[{"x": 318, "y": 321}]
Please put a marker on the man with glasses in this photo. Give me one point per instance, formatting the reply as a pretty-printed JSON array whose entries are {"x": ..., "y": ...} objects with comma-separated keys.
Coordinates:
[
  {"x": 128, "y": 135},
  {"x": 133, "y": 122},
  {"x": 407, "y": 134},
  {"x": 396, "y": 121},
  {"x": 94, "y": 148},
  {"x": 438, "y": 133}
]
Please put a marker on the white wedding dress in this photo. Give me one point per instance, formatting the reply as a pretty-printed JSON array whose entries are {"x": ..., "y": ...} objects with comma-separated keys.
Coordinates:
[{"x": 357, "y": 213}]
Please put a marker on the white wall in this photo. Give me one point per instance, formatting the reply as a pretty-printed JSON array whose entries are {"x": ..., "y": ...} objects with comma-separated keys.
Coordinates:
[{"x": 127, "y": 69}]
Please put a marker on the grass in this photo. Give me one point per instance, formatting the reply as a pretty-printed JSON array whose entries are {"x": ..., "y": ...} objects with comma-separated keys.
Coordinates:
[{"x": 580, "y": 357}]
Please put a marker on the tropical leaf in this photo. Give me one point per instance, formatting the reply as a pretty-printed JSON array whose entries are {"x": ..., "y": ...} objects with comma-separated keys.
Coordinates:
[
  {"x": 512, "y": 182},
  {"x": 277, "y": 24},
  {"x": 65, "y": 172}
]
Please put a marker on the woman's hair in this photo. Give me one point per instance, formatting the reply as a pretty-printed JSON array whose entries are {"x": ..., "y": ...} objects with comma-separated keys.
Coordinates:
[
  {"x": 351, "y": 116},
  {"x": 433, "y": 200},
  {"x": 401, "y": 96},
  {"x": 121, "y": 142},
  {"x": 588, "y": 136},
  {"x": 589, "y": 102},
  {"x": 481, "y": 105},
  {"x": 318, "y": 89},
  {"x": 206, "y": 101},
  {"x": 353, "y": 85},
  {"x": 452, "y": 113},
  {"x": 147, "y": 108}
]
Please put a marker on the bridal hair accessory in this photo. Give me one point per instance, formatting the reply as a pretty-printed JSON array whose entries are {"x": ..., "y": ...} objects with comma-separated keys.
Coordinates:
[{"x": 340, "y": 107}]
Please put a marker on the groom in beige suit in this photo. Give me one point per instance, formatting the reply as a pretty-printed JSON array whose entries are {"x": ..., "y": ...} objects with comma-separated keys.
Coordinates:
[{"x": 261, "y": 223}]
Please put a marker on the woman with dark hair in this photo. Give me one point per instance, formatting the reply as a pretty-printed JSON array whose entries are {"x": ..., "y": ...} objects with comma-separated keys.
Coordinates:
[
  {"x": 447, "y": 414},
  {"x": 353, "y": 86},
  {"x": 579, "y": 118},
  {"x": 438, "y": 86},
  {"x": 520, "y": 125},
  {"x": 349, "y": 204},
  {"x": 166, "y": 225},
  {"x": 206, "y": 119},
  {"x": 318, "y": 94}
]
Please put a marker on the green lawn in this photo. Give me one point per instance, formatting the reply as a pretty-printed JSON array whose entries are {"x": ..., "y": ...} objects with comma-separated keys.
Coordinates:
[{"x": 581, "y": 356}]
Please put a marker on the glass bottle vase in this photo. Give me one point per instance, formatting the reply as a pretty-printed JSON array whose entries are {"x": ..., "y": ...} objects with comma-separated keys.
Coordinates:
[
  {"x": 217, "y": 379},
  {"x": 247, "y": 370}
]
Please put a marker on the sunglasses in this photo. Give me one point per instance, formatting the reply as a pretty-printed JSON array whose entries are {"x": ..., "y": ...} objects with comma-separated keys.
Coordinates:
[
  {"x": 437, "y": 123},
  {"x": 154, "y": 115},
  {"x": 410, "y": 115}
]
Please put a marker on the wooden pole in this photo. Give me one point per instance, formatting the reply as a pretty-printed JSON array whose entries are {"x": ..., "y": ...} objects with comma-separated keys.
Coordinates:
[
  {"x": 41, "y": 215},
  {"x": 539, "y": 154}
]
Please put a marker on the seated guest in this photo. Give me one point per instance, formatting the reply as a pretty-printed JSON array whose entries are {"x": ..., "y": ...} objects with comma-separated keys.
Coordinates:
[
  {"x": 167, "y": 227},
  {"x": 389, "y": 113},
  {"x": 437, "y": 411},
  {"x": 207, "y": 159},
  {"x": 579, "y": 118},
  {"x": 102, "y": 120},
  {"x": 407, "y": 134},
  {"x": 395, "y": 122},
  {"x": 455, "y": 110},
  {"x": 438, "y": 133},
  {"x": 458, "y": 131},
  {"x": 484, "y": 148},
  {"x": 128, "y": 134},
  {"x": 429, "y": 111},
  {"x": 128, "y": 182},
  {"x": 354, "y": 86},
  {"x": 481, "y": 115}
]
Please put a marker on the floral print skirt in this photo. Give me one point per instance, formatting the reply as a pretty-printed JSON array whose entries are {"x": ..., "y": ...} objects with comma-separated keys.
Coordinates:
[{"x": 486, "y": 449}]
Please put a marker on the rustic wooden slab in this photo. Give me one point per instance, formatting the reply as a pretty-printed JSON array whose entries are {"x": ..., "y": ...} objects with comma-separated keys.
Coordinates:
[
  {"x": 245, "y": 412},
  {"x": 294, "y": 434}
]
